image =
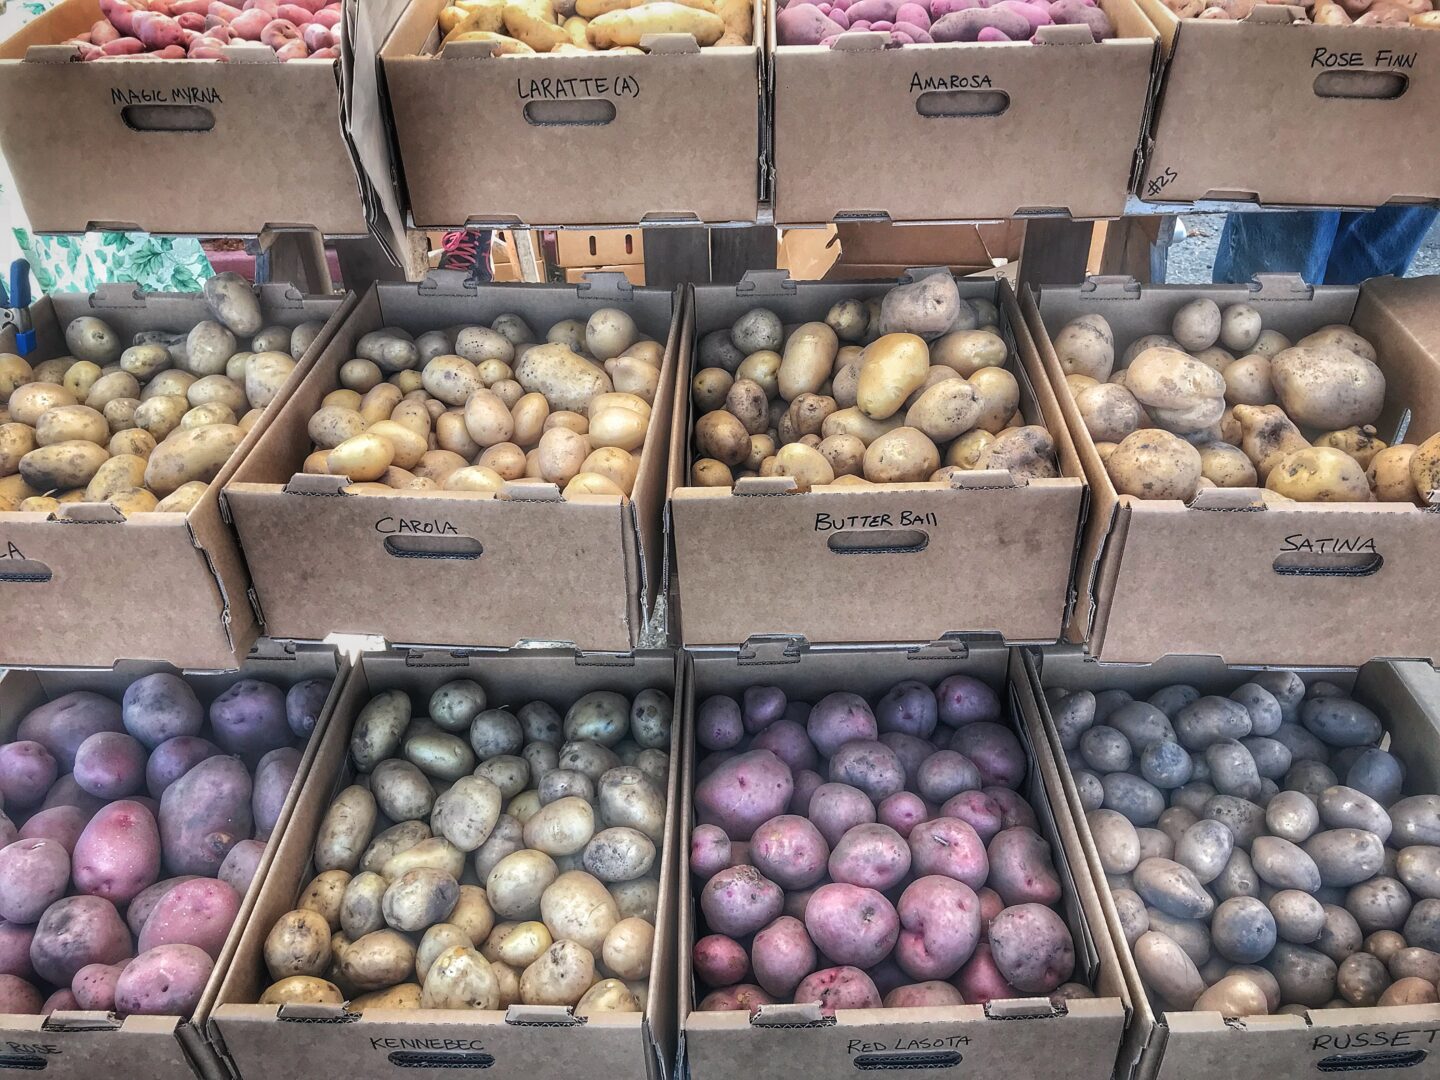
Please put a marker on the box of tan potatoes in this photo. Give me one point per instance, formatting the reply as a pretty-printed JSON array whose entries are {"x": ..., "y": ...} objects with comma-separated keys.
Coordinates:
[
  {"x": 393, "y": 1011},
  {"x": 938, "y": 1004},
  {"x": 93, "y": 574},
  {"x": 77, "y": 1040},
  {"x": 1356, "y": 996},
  {"x": 963, "y": 546},
  {"x": 675, "y": 133},
  {"x": 1357, "y": 104},
  {"x": 525, "y": 555},
  {"x": 1290, "y": 581}
]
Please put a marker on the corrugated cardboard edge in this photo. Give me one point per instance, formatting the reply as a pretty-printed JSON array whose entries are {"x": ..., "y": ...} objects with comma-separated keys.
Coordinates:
[{"x": 266, "y": 662}]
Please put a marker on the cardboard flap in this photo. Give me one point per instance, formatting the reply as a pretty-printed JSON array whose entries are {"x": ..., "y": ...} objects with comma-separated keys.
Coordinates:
[
  {"x": 1056, "y": 34},
  {"x": 1276, "y": 14},
  {"x": 96, "y": 513},
  {"x": 605, "y": 285},
  {"x": 560, "y": 1015},
  {"x": 51, "y": 54},
  {"x": 768, "y": 485},
  {"x": 446, "y": 283},
  {"x": 1110, "y": 287},
  {"x": 469, "y": 50},
  {"x": 248, "y": 52},
  {"x": 316, "y": 484},
  {"x": 82, "y": 1021},
  {"x": 530, "y": 490},
  {"x": 280, "y": 295},
  {"x": 1228, "y": 499},
  {"x": 864, "y": 41},
  {"x": 117, "y": 296},
  {"x": 670, "y": 44},
  {"x": 801, "y": 1012},
  {"x": 974, "y": 479},
  {"x": 757, "y": 283},
  {"x": 1282, "y": 286}
]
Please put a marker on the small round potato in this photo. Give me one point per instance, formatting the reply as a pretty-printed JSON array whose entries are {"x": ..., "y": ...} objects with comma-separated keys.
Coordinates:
[{"x": 1154, "y": 464}]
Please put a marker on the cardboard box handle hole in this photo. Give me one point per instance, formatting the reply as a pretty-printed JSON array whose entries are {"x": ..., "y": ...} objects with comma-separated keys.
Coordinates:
[
  {"x": 416, "y": 1059},
  {"x": 1383, "y": 1059},
  {"x": 1349, "y": 564},
  {"x": 434, "y": 547},
  {"x": 578, "y": 112},
  {"x": 878, "y": 542},
  {"x": 191, "y": 118},
  {"x": 23, "y": 572},
  {"x": 962, "y": 103},
  {"x": 1364, "y": 85},
  {"x": 24, "y": 1062},
  {"x": 908, "y": 1059}
]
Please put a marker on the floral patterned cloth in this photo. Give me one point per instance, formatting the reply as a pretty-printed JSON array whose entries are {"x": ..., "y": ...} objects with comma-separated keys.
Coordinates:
[{"x": 79, "y": 263}]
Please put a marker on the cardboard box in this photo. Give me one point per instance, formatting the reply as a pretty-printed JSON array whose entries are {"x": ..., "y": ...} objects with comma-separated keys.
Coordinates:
[
  {"x": 95, "y": 575},
  {"x": 1394, "y": 1042},
  {"x": 1023, "y": 1037},
  {"x": 243, "y": 145},
  {"x": 84, "y": 1045},
  {"x": 871, "y": 251},
  {"x": 452, "y": 567},
  {"x": 608, "y": 247},
  {"x": 961, "y": 130},
  {"x": 1300, "y": 585},
  {"x": 574, "y": 140},
  {"x": 633, "y": 272},
  {"x": 872, "y": 564},
  {"x": 525, "y": 1042},
  {"x": 1359, "y": 104}
]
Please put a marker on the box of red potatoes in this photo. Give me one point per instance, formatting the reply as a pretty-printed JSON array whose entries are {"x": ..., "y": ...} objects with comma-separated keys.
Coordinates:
[{"x": 897, "y": 915}]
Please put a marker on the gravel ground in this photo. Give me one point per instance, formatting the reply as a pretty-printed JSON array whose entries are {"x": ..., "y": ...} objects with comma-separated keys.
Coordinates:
[{"x": 1192, "y": 259}]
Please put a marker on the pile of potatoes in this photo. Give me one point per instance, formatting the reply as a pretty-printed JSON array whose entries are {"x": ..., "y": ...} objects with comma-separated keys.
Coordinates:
[
  {"x": 927, "y": 22},
  {"x": 1418, "y": 13},
  {"x": 486, "y": 858},
  {"x": 471, "y": 407},
  {"x": 200, "y": 29},
  {"x": 1260, "y": 849},
  {"x": 576, "y": 27},
  {"x": 101, "y": 798},
  {"x": 865, "y": 857},
  {"x": 905, "y": 388},
  {"x": 145, "y": 427},
  {"x": 1221, "y": 401}
]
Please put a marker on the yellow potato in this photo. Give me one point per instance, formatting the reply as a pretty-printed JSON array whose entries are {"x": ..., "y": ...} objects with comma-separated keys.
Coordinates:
[
  {"x": 1361, "y": 443},
  {"x": 617, "y": 466},
  {"x": 116, "y": 474},
  {"x": 805, "y": 465},
  {"x": 266, "y": 373},
  {"x": 528, "y": 416},
  {"x": 452, "y": 434},
  {"x": 473, "y": 478},
  {"x": 721, "y": 436},
  {"x": 32, "y": 400},
  {"x": 617, "y": 426},
  {"x": 62, "y": 466},
  {"x": 568, "y": 418},
  {"x": 629, "y": 27},
  {"x": 561, "y": 452},
  {"x": 1389, "y": 474},
  {"x": 1000, "y": 393},
  {"x": 204, "y": 415},
  {"x": 488, "y": 419},
  {"x": 1154, "y": 464},
  {"x": 345, "y": 399},
  {"x": 810, "y": 350},
  {"x": 132, "y": 441},
  {"x": 16, "y": 440},
  {"x": 333, "y": 424},
  {"x": 407, "y": 447},
  {"x": 191, "y": 454},
  {"x": 452, "y": 379},
  {"x": 707, "y": 472},
  {"x": 113, "y": 386},
  {"x": 904, "y": 455},
  {"x": 966, "y": 451},
  {"x": 1319, "y": 474},
  {"x": 893, "y": 368},
  {"x": 507, "y": 459},
  {"x": 14, "y": 371},
  {"x": 362, "y": 457}
]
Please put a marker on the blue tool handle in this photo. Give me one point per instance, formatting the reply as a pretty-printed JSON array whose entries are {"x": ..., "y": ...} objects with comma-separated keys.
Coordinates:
[{"x": 20, "y": 284}]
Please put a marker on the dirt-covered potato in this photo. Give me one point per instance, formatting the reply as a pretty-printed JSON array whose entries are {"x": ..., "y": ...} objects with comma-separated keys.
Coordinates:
[
  {"x": 1086, "y": 346},
  {"x": 1319, "y": 474},
  {"x": 1328, "y": 386},
  {"x": 1154, "y": 464}
]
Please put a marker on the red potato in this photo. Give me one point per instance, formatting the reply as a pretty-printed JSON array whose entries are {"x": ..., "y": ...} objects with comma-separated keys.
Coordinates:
[
  {"x": 965, "y": 700},
  {"x": 197, "y": 912},
  {"x": 94, "y": 986},
  {"x": 294, "y": 13},
  {"x": 33, "y": 875},
  {"x": 304, "y": 702},
  {"x": 873, "y": 856},
  {"x": 18, "y": 997},
  {"x": 76, "y": 931},
  {"x": 839, "y": 988},
  {"x": 226, "y": 13},
  {"x": 838, "y": 719},
  {"x": 270, "y": 6},
  {"x": 1021, "y": 870},
  {"x": 173, "y": 758},
  {"x": 278, "y": 32},
  {"x": 761, "y": 706},
  {"x": 157, "y": 31},
  {"x": 66, "y": 792},
  {"x": 273, "y": 778},
  {"x": 140, "y": 908},
  {"x": 165, "y": 981},
  {"x": 292, "y": 50},
  {"x": 995, "y": 751},
  {"x": 1013, "y": 806},
  {"x": 328, "y": 17},
  {"x": 742, "y": 998},
  {"x": 807, "y": 783},
  {"x": 27, "y": 770},
  {"x": 990, "y": 906},
  {"x": 908, "y": 708},
  {"x": 869, "y": 765},
  {"x": 159, "y": 707},
  {"x": 719, "y": 961},
  {"x": 790, "y": 851},
  {"x": 719, "y": 724},
  {"x": 837, "y": 808},
  {"x": 204, "y": 814},
  {"x": 1032, "y": 948},
  {"x": 63, "y": 724},
  {"x": 851, "y": 925},
  {"x": 743, "y": 793},
  {"x": 189, "y": 7},
  {"x": 193, "y": 23},
  {"x": 709, "y": 853},
  {"x": 783, "y": 955},
  {"x": 951, "y": 848},
  {"x": 60, "y": 1001},
  {"x": 63, "y": 824},
  {"x": 240, "y": 865},
  {"x": 332, "y": 53},
  {"x": 945, "y": 774},
  {"x": 911, "y": 751},
  {"x": 102, "y": 32},
  {"x": 940, "y": 927},
  {"x": 110, "y": 765},
  {"x": 902, "y": 812},
  {"x": 119, "y": 14},
  {"x": 118, "y": 854},
  {"x": 740, "y": 900},
  {"x": 979, "y": 810},
  {"x": 980, "y": 980},
  {"x": 251, "y": 23},
  {"x": 249, "y": 719},
  {"x": 923, "y": 995},
  {"x": 788, "y": 741},
  {"x": 15, "y": 941},
  {"x": 125, "y": 46}
]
